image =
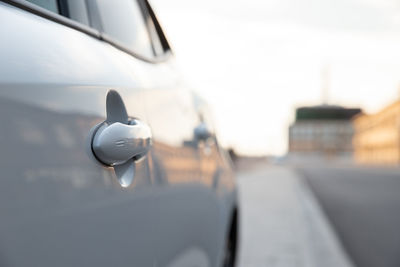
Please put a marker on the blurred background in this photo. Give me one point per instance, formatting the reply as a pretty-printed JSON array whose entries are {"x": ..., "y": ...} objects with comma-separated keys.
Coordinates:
[
  {"x": 271, "y": 57},
  {"x": 305, "y": 96}
]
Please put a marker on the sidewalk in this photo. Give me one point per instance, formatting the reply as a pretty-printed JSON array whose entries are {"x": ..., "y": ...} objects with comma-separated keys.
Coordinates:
[{"x": 282, "y": 224}]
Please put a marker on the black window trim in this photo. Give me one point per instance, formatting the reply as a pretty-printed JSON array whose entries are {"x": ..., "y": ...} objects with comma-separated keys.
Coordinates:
[
  {"x": 146, "y": 15},
  {"x": 42, "y": 12},
  {"x": 63, "y": 7},
  {"x": 160, "y": 32}
]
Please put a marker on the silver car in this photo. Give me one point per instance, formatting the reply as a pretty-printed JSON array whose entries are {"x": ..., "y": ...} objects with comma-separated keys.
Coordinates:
[{"x": 107, "y": 159}]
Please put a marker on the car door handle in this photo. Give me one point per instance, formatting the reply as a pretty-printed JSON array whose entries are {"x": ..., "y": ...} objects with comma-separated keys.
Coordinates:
[{"x": 117, "y": 143}]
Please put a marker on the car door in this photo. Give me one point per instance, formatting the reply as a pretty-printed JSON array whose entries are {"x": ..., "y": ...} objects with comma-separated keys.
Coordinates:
[
  {"x": 184, "y": 233},
  {"x": 59, "y": 206}
]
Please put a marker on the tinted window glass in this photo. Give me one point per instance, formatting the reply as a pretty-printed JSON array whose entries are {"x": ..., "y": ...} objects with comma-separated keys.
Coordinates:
[
  {"x": 47, "y": 4},
  {"x": 123, "y": 20},
  {"x": 78, "y": 11}
]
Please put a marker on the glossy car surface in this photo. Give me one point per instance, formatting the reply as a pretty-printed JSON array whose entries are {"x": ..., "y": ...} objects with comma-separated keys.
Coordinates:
[{"x": 59, "y": 205}]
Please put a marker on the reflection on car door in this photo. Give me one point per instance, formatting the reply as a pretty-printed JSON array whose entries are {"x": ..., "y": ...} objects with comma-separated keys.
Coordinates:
[
  {"x": 188, "y": 210},
  {"x": 59, "y": 207}
]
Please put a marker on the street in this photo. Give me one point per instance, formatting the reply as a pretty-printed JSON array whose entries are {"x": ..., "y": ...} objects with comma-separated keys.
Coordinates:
[
  {"x": 281, "y": 223},
  {"x": 363, "y": 206},
  {"x": 319, "y": 216}
]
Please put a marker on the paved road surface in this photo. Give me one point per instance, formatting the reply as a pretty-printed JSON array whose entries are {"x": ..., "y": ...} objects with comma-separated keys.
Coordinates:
[
  {"x": 282, "y": 224},
  {"x": 363, "y": 204}
]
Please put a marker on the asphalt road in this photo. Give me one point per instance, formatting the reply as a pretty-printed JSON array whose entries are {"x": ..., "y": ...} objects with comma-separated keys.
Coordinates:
[{"x": 363, "y": 205}]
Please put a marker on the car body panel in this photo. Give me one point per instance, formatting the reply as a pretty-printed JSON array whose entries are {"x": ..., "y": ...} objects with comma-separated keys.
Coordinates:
[{"x": 62, "y": 208}]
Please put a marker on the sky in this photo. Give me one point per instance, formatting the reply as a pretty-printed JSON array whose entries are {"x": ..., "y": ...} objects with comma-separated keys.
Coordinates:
[{"x": 255, "y": 61}]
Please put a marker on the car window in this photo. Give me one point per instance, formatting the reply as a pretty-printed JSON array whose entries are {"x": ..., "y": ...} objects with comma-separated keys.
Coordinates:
[
  {"x": 123, "y": 20},
  {"x": 157, "y": 45},
  {"x": 77, "y": 11},
  {"x": 51, "y": 5}
]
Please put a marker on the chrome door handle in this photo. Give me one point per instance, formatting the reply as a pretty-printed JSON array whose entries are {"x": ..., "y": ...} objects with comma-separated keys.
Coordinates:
[{"x": 119, "y": 142}]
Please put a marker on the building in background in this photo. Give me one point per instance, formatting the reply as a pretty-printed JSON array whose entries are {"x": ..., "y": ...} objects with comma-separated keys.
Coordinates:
[
  {"x": 322, "y": 131},
  {"x": 377, "y": 136}
]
